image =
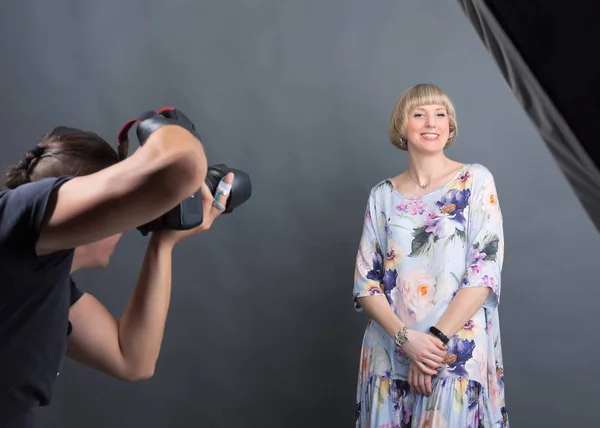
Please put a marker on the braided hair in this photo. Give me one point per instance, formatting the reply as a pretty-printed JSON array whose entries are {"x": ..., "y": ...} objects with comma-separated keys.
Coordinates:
[{"x": 62, "y": 151}]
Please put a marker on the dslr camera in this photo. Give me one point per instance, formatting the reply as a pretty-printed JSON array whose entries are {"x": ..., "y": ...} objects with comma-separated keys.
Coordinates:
[{"x": 188, "y": 214}]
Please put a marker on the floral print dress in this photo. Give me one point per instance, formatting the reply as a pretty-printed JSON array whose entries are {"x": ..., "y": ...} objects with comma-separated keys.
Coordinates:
[{"x": 418, "y": 252}]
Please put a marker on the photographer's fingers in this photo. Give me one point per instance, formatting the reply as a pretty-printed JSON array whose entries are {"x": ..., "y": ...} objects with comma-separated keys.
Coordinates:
[{"x": 222, "y": 194}]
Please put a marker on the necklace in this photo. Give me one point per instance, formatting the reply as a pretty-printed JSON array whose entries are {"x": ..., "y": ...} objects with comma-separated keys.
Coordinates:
[{"x": 424, "y": 186}]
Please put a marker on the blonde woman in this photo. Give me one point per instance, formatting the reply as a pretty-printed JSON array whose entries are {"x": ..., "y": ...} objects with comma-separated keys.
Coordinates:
[{"x": 428, "y": 276}]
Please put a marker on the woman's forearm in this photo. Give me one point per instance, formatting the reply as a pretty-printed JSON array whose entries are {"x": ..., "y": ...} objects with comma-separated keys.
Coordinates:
[
  {"x": 379, "y": 309},
  {"x": 142, "y": 325},
  {"x": 461, "y": 309}
]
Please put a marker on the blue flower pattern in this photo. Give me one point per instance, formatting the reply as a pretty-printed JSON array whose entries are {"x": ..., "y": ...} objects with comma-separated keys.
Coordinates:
[{"x": 418, "y": 252}]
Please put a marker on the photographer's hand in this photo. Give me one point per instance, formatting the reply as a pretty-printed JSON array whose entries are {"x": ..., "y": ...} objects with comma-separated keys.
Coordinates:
[{"x": 210, "y": 213}]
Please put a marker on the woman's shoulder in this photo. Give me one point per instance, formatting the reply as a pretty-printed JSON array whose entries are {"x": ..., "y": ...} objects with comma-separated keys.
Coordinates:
[
  {"x": 381, "y": 189},
  {"x": 473, "y": 175},
  {"x": 478, "y": 170}
]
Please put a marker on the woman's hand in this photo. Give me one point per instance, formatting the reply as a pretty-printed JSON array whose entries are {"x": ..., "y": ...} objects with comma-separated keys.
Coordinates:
[
  {"x": 419, "y": 381},
  {"x": 427, "y": 352},
  {"x": 210, "y": 213}
]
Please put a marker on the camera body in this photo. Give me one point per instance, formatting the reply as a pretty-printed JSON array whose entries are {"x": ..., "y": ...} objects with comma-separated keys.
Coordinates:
[{"x": 189, "y": 213}]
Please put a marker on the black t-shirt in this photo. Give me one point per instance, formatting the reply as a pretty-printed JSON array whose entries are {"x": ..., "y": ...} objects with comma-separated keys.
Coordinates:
[{"x": 35, "y": 296}]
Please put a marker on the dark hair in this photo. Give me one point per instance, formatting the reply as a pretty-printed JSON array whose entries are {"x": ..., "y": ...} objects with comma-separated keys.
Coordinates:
[{"x": 62, "y": 151}]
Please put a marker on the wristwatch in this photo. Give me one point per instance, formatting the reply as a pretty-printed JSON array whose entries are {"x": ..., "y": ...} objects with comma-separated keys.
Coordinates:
[
  {"x": 401, "y": 336},
  {"x": 438, "y": 333}
]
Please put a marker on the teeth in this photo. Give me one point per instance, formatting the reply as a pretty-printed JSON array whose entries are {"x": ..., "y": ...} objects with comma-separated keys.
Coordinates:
[{"x": 430, "y": 135}]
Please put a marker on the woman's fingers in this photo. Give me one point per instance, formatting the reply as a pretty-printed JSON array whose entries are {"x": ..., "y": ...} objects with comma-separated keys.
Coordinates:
[
  {"x": 433, "y": 364},
  {"x": 425, "y": 369},
  {"x": 428, "y": 385},
  {"x": 422, "y": 383},
  {"x": 419, "y": 381},
  {"x": 434, "y": 356},
  {"x": 410, "y": 377},
  {"x": 437, "y": 357},
  {"x": 440, "y": 348},
  {"x": 414, "y": 382},
  {"x": 440, "y": 352}
]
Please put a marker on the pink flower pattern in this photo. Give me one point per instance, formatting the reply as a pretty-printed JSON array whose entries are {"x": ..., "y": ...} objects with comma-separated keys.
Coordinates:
[{"x": 449, "y": 239}]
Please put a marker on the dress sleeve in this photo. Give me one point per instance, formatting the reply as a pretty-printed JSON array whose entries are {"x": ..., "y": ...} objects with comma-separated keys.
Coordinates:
[
  {"x": 368, "y": 271},
  {"x": 485, "y": 239}
]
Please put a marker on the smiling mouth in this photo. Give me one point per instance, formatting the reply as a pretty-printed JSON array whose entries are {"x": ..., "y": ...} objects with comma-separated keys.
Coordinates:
[{"x": 430, "y": 136}]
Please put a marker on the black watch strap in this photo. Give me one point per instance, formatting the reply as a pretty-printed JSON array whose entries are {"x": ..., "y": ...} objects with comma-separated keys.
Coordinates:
[{"x": 437, "y": 333}]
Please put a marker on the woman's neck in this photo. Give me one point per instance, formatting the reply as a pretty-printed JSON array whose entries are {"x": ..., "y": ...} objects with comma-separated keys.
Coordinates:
[{"x": 427, "y": 168}]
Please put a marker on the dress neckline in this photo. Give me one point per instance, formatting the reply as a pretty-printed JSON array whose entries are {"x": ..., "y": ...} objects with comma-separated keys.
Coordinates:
[{"x": 434, "y": 191}]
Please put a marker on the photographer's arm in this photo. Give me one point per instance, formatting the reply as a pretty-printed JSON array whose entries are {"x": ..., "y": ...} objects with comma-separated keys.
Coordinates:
[
  {"x": 170, "y": 167},
  {"x": 126, "y": 348},
  {"x": 129, "y": 348}
]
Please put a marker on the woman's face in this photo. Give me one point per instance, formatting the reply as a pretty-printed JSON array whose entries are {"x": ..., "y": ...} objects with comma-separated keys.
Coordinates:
[{"x": 428, "y": 128}]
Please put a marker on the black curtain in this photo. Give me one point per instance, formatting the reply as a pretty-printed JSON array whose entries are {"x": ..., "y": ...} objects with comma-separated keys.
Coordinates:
[{"x": 547, "y": 52}]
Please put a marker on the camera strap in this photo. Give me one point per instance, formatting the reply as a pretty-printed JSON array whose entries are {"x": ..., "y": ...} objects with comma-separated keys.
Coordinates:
[{"x": 123, "y": 139}]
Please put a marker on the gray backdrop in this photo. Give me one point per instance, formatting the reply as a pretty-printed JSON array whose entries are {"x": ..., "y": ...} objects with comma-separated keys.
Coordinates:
[{"x": 261, "y": 331}]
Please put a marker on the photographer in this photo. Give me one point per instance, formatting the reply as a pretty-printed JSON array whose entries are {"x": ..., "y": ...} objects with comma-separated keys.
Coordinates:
[{"x": 66, "y": 205}]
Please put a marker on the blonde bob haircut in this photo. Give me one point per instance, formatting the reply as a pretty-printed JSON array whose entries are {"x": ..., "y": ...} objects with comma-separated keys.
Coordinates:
[{"x": 415, "y": 96}]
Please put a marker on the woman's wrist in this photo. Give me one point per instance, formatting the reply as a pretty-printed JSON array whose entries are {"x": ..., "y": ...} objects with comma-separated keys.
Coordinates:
[
  {"x": 437, "y": 332},
  {"x": 401, "y": 336}
]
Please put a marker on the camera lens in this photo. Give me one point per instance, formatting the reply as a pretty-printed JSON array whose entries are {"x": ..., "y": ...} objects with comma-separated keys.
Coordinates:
[{"x": 213, "y": 176}]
